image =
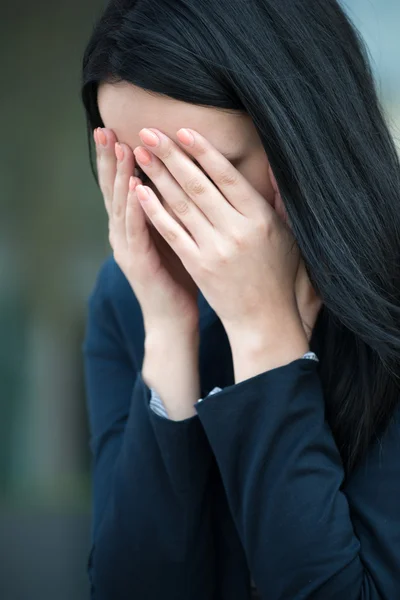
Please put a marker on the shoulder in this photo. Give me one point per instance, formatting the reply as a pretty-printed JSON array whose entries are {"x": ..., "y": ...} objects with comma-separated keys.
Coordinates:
[
  {"x": 114, "y": 314},
  {"x": 113, "y": 293},
  {"x": 110, "y": 284}
]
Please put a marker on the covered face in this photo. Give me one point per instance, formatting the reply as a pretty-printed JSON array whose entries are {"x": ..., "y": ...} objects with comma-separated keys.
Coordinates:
[{"x": 126, "y": 109}]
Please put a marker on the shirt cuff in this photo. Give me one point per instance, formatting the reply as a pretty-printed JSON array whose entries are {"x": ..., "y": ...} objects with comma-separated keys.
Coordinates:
[{"x": 157, "y": 405}]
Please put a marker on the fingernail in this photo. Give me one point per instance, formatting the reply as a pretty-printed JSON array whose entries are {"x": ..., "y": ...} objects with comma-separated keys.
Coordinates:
[
  {"x": 119, "y": 152},
  {"x": 185, "y": 137},
  {"x": 101, "y": 136},
  {"x": 95, "y": 136},
  {"x": 151, "y": 138},
  {"x": 142, "y": 155}
]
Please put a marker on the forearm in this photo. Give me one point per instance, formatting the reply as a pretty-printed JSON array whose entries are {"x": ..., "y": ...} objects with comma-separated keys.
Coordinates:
[
  {"x": 282, "y": 474},
  {"x": 155, "y": 525},
  {"x": 171, "y": 368}
]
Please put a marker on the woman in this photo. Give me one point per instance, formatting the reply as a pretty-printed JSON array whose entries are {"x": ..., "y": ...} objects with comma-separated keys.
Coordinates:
[{"x": 243, "y": 339}]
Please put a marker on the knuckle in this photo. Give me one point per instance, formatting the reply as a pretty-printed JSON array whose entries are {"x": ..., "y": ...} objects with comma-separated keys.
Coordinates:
[
  {"x": 227, "y": 178},
  {"x": 239, "y": 240},
  {"x": 117, "y": 209},
  {"x": 181, "y": 208},
  {"x": 199, "y": 150},
  {"x": 170, "y": 236},
  {"x": 167, "y": 152},
  {"x": 223, "y": 255},
  {"x": 194, "y": 187}
]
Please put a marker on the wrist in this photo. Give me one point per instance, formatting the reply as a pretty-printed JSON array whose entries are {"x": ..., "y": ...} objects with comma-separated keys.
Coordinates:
[
  {"x": 162, "y": 339},
  {"x": 184, "y": 330},
  {"x": 171, "y": 368},
  {"x": 257, "y": 349}
]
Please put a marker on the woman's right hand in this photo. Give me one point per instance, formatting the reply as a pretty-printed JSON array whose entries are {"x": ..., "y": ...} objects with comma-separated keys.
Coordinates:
[{"x": 164, "y": 289}]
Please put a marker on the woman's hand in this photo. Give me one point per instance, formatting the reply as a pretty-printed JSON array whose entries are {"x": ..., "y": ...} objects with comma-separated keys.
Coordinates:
[
  {"x": 240, "y": 253},
  {"x": 165, "y": 291}
]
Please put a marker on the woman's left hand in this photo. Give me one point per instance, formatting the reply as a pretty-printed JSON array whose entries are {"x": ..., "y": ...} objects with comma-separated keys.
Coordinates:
[{"x": 239, "y": 252}]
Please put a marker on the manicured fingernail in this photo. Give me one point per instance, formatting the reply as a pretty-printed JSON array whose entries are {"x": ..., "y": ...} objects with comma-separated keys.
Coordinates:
[
  {"x": 142, "y": 155},
  {"x": 149, "y": 137},
  {"x": 119, "y": 152},
  {"x": 101, "y": 136},
  {"x": 185, "y": 137}
]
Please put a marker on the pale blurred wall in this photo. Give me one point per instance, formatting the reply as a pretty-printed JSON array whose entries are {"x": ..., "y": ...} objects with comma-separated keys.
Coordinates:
[{"x": 53, "y": 238}]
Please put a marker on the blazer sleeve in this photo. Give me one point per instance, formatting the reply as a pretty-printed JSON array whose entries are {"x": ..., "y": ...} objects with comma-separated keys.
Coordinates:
[
  {"x": 151, "y": 534},
  {"x": 306, "y": 534}
]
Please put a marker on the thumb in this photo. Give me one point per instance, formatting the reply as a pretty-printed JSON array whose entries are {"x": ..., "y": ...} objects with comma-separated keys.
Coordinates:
[
  {"x": 308, "y": 301},
  {"x": 278, "y": 202}
]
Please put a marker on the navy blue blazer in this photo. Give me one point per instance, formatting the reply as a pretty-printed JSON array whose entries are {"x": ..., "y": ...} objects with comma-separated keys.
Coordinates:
[{"x": 252, "y": 484}]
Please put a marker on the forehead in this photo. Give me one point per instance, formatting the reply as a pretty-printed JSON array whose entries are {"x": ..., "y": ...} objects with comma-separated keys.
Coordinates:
[{"x": 126, "y": 109}]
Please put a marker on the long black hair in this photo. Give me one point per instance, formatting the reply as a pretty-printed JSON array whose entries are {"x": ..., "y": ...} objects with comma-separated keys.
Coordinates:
[{"x": 301, "y": 70}]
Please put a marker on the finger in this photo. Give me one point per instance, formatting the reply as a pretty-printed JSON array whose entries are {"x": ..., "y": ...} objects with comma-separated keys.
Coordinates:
[
  {"x": 180, "y": 241},
  {"x": 278, "y": 204},
  {"x": 191, "y": 217},
  {"x": 106, "y": 164},
  {"x": 234, "y": 186},
  {"x": 136, "y": 228},
  {"x": 308, "y": 301},
  {"x": 273, "y": 180},
  {"x": 195, "y": 183},
  {"x": 124, "y": 160}
]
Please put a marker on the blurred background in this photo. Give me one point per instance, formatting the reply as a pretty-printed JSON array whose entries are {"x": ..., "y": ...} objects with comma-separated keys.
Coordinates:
[{"x": 53, "y": 239}]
